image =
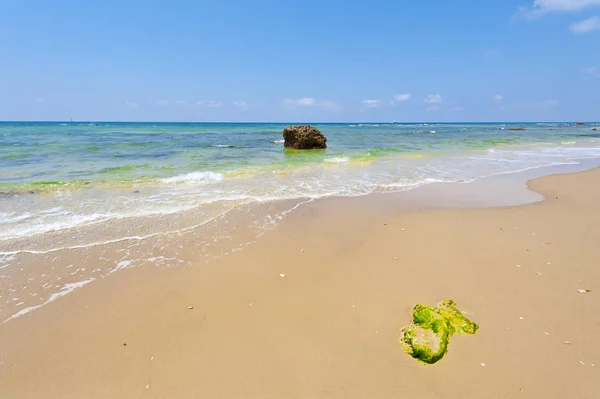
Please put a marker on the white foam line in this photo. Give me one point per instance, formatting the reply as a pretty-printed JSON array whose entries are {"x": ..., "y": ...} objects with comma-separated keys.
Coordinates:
[
  {"x": 139, "y": 238},
  {"x": 95, "y": 244},
  {"x": 570, "y": 161},
  {"x": 121, "y": 265},
  {"x": 67, "y": 288},
  {"x": 573, "y": 162}
]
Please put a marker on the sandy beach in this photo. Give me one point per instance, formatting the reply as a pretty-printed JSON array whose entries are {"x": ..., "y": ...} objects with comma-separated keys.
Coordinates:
[{"x": 314, "y": 309}]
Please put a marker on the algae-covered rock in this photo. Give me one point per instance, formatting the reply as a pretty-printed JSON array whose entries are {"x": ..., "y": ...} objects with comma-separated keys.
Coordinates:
[
  {"x": 304, "y": 137},
  {"x": 428, "y": 337}
]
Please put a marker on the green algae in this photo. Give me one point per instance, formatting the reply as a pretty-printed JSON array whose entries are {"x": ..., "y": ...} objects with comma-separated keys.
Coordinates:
[
  {"x": 48, "y": 183},
  {"x": 427, "y": 339}
]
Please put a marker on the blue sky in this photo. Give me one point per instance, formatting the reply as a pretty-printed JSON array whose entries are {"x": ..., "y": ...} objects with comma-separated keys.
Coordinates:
[{"x": 310, "y": 60}]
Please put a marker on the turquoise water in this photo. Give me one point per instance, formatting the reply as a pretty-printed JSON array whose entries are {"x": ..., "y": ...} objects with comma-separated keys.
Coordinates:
[{"x": 60, "y": 175}]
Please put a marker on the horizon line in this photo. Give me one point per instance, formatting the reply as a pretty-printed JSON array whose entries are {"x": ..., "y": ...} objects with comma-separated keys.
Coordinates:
[{"x": 291, "y": 122}]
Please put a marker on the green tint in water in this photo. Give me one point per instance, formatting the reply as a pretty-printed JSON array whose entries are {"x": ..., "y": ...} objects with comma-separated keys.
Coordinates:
[
  {"x": 124, "y": 168},
  {"x": 100, "y": 153},
  {"x": 49, "y": 183},
  {"x": 427, "y": 339}
]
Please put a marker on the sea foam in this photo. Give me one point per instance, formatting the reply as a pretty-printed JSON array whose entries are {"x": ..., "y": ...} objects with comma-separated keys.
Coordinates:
[
  {"x": 194, "y": 177},
  {"x": 66, "y": 289}
]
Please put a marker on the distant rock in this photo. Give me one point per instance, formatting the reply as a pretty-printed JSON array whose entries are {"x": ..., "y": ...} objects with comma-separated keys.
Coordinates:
[
  {"x": 516, "y": 128},
  {"x": 581, "y": 123},
  {"x": 304, "y": 137},
  {"x": 594, "y": 129}
]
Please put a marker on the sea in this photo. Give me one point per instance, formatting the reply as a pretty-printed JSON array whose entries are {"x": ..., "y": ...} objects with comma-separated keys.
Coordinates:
[{"x": 93, "y": 198}]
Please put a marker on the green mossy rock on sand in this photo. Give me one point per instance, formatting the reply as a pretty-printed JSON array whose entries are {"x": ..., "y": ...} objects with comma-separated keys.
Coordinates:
[
  {"x": 304, "y": 137},
  {"x": 427, "y": 339}
]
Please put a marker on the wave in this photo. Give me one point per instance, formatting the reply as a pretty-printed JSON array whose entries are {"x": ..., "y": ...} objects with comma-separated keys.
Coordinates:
[
  {"x": 194, "y": 177},
  {"x": 337, "y": 160},
  {"x": 423, "y": 132},
  {"x": 13, "y": 217}
]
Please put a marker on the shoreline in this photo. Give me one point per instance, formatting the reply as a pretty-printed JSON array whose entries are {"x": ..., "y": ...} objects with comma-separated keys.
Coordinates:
[
  {"x": 114, "y": 172},
  {"x": 500, "y": 190},
  {"x": 353, "y": 268}
]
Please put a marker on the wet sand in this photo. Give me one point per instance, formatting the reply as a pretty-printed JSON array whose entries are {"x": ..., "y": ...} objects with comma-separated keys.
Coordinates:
[{"x": 313, "y": 309}]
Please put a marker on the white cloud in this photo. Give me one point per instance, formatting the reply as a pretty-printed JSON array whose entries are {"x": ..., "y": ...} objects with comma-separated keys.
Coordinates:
[
  {"x": 309, "y": 102},
  {"x": 398, "y": 98},
  {"x": 132, "y": 105},
  {"x": 371, "y": 103},
  {"x": 402, "y": 97},
  {"x": 537, "y": 105},
  {"x": 303, "y": 102},
  {"x": 593, "y": 71},
  {"x": 162, "y": 103},
  {"x": 181, "y": 103},
  {"x": 241, "y": 104},
  {"x": 498, "y": 97},
  {"x": 542, "y": 7},
  {"x": 434, "y": 99},
  {"x": 207, "y": 104},
  {"x": 585, "y": 26}
]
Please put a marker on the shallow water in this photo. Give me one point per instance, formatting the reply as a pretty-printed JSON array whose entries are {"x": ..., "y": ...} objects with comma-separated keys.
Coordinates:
[
  {"x": 79, "y": 202},
  {"x": 61, "y": 175}
]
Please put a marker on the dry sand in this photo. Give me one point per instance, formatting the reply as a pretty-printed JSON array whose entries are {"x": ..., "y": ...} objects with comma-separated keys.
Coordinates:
[{"x": 329, "y": 328}]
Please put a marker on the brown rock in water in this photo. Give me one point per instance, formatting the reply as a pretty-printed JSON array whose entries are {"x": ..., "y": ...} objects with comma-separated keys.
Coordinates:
[
  {"x": 516, "y": 128},
  {"x": 304, "y": 137},
  {"x": 594, "y": 129},
  {"x": 581, "y": 123}
]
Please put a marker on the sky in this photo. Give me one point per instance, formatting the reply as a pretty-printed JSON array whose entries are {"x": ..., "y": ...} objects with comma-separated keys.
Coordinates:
[{"x": 300, "y": 60}]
